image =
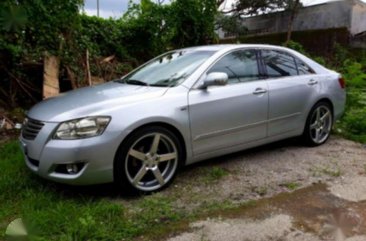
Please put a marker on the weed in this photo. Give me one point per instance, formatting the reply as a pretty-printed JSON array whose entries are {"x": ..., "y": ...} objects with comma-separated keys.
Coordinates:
[
  {"x": 261, "y": 191},
  {"x": 291, "y": 185},
  {"x": 215, "y": 174},
  {"x": 334, "y": 171}
]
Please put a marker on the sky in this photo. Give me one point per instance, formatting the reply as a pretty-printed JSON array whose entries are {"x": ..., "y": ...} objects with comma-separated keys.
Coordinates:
[{"x": 115, "y": 8}]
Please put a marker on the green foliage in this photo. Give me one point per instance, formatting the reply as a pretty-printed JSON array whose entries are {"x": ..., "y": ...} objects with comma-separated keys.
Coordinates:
[
  {"x": 291, "y": 185},
  {"x": 231, "y": 25},
  {"x": 193, "y": 22},
  {"x": 214, "y": 174},
  {"x": 29, "y": 28},
  {"x": 252, "y": 7},
  {"x": 296, "y": 46},
  {"x": 353, "y": 123},
  {"x": 54, "y": 213},
  {"x": 354, "y": 73}
]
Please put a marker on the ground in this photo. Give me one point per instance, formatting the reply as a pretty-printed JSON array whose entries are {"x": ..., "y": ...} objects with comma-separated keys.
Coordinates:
[
  {"x": 282, "y": 191},
  {"x": 328, "y": 205}
]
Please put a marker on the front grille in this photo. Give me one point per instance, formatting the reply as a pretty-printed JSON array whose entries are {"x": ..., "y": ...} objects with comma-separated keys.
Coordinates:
[{"x": 31, "y": 128}]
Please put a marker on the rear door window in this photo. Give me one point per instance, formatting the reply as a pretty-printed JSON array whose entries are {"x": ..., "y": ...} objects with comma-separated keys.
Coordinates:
[
  {"x": 279, "y": 64},
  {"x": 303, "y": 68}
]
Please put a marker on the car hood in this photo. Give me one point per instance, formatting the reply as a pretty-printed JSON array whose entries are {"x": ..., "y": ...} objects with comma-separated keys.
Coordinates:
[{"x": 91, "y": 101}]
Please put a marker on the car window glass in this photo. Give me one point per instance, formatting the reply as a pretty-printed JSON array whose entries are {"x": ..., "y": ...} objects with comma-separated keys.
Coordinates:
[
  {"x": 240, "y": 66},
  {"x": 168, "y": 70},
  {"x": 279, "y": 64},
  {"x": 303, "y": 68}
]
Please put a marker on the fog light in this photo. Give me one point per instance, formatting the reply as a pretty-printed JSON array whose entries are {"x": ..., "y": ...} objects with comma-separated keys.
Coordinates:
[{"x": 72, "y": 168}]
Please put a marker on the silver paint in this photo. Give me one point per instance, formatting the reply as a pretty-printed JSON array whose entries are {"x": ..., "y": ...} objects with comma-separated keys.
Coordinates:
[{"x": 212, "y": 121}]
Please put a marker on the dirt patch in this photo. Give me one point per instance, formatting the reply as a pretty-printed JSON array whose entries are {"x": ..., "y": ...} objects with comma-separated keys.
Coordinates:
[
  {"x": 272, "y": 228},
  {"x": 311, "y": 213}
]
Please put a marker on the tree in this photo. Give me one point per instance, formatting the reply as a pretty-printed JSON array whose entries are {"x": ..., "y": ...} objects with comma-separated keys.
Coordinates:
[
  {"x": 193, "y": 22},
  {"x": 254, "y": 7},
  {"x": 293, "y": 7},
  {"x": 244, "y": 8},
  {"x": 231, "y": 25}
]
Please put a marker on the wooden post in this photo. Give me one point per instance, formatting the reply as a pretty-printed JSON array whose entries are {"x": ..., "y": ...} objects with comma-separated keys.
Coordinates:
[
  {"x": 51, "y": 86},
  {"x": 88, "y": 68}
]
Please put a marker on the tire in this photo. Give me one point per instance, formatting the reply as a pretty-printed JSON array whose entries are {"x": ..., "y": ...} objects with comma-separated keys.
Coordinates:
[
  {"x": 147, "y": 161},
  {"x": 318, "y": 124}
]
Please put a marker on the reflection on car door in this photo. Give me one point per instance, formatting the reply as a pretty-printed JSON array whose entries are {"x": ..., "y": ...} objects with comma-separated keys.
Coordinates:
[
  {"x": 292, "y": 85},
  {"x": 234, "y": 114}
]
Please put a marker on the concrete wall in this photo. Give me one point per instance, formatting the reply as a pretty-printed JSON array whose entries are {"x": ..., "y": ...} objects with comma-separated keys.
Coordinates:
[
  {"x": 358, "y": 18},
  {"x": 350, "y": 14}
]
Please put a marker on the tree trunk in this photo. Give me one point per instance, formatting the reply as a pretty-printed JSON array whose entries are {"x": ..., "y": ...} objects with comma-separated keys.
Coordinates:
[{"x": 293, "y": 13}]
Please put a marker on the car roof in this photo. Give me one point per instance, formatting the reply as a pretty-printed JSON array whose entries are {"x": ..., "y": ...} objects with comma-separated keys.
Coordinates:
[{"x": 218, "y": 47}]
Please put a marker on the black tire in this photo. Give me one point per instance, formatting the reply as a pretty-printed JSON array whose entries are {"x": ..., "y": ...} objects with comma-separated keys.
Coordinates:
[
  {"x": 127, "y": 167},
  {"x": 324, "y": 129}
]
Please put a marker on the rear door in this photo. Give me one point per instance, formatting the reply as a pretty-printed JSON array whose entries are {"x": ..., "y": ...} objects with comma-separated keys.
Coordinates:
[{"x": 292, "y": 86}]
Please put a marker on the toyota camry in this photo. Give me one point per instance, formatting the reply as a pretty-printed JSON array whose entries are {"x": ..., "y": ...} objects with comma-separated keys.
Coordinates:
[{"x": 181, "y": 107}]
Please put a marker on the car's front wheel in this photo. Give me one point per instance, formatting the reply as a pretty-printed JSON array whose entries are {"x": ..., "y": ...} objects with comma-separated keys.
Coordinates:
[
  {"x": 319, "y": 124},
  {"x": 148, "y": 160}
]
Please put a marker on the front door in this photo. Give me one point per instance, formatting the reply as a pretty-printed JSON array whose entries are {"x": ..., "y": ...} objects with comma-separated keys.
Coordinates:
[{"x": 225, "y": 116}]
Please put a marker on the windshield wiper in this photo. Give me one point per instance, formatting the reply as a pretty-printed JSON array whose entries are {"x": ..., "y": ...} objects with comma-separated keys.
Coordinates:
[{"x": 136, "y": 82}]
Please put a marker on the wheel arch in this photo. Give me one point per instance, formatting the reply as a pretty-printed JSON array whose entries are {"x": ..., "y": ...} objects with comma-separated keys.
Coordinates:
[
  {"x": 323, "y": 99},
  {"x": 165, "y": 125},
  {"x": 326, "y": 100}
]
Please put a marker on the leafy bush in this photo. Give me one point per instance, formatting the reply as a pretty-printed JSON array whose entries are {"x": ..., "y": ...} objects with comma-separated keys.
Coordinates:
[{"x": 30, "y": 28}]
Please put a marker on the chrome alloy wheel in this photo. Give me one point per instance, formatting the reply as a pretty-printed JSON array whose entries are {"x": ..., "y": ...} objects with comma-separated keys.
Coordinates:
[
  {"x": 151, "y": 161},
  {"x": 320, "y": 124}
]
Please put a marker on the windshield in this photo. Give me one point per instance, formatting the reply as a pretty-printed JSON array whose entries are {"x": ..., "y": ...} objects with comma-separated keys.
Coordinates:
[{"x": 169, "y": 69}]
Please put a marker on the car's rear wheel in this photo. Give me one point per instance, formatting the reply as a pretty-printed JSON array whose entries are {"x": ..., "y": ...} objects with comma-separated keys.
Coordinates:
[
  {"x": 319, "y": 124},
  {"x": 148, "y": 160}
]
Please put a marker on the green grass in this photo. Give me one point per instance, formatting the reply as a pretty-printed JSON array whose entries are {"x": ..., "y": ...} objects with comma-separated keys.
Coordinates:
[
  {"x": 291, "y": 185},
  {"x": 333, "y": 171},
  {"x": 214, "y": 174},
  {"x": 56, "y": 213}
]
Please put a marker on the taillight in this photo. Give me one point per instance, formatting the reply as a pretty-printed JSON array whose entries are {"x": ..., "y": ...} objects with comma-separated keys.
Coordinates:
[{"x": 342, "y": 82}]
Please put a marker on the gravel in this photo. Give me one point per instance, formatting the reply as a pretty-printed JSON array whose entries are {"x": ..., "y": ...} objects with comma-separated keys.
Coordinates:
[
  {"x": 262, "y": 173},
  {"x": 267, "y": 171}
]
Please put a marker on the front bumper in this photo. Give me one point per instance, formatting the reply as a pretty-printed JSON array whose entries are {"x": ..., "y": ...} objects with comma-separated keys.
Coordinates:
[{"x": 43, "y": 155}]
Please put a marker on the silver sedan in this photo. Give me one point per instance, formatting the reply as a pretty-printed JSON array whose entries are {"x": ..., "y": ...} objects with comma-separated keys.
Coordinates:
[{"x": 182, "y": 107}]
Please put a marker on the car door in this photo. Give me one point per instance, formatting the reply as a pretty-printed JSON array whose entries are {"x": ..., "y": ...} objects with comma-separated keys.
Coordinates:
[
  {"x": 292, "y": 85},
  {"x": 225, "y": 116}
]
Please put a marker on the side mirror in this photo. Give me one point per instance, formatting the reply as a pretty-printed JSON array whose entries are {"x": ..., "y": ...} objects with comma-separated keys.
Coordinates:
[{"x": 215, "y": 79}]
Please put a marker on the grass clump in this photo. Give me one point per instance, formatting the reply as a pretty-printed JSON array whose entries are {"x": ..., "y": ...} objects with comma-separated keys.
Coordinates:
[
  {"x": 333, "y": 171},
  {"x": 214, "y": 174},
  {"x": 291, "y": 185}
]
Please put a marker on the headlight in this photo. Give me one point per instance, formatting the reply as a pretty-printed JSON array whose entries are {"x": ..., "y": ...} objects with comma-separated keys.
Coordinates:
[{"x": 81, "y": 128}]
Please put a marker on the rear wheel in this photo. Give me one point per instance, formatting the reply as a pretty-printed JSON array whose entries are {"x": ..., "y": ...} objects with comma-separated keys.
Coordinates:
[
  {"x": 148, "y": 160},
  {"x": 319, "y": 124}
]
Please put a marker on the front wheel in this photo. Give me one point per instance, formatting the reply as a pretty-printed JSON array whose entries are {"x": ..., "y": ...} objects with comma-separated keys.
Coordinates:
[
  {"x": 148, "y": 160},
  {"x": 318, "y": 125}
]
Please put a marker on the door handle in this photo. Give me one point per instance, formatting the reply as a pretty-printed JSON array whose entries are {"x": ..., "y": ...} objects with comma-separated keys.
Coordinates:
[
  {"x": 259, "y": 91},
  {"x": 312, "y": 82}
]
